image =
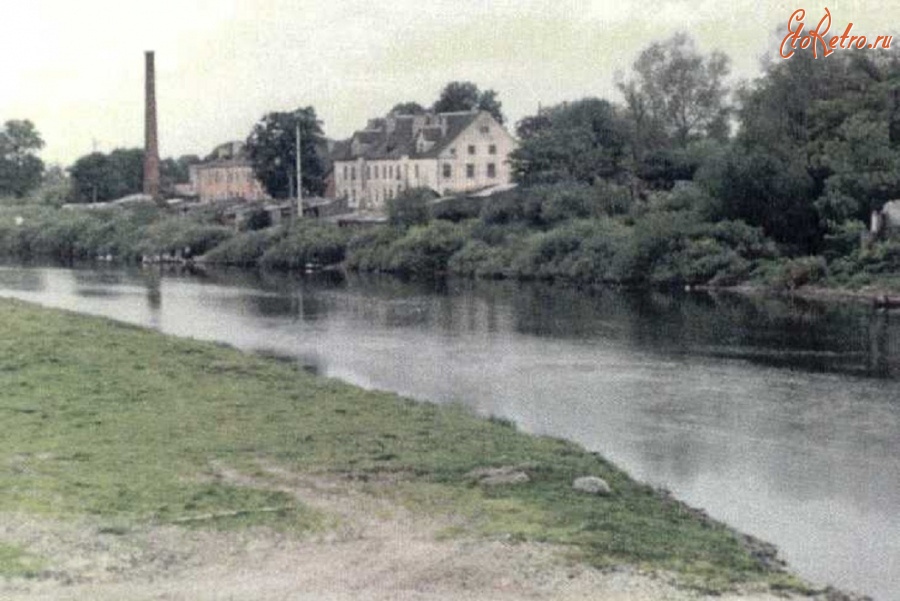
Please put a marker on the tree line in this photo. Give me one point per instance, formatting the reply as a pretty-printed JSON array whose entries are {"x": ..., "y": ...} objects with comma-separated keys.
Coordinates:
[{"x": 803, "y": 153}]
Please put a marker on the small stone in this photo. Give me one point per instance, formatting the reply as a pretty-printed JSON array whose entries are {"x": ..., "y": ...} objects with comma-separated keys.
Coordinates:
[{"x": 592, "y": 485}]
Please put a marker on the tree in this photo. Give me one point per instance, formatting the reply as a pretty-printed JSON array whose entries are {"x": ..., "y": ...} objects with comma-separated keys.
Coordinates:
[
  {"x": 833, "y": 123},
  {"x": 20, "y": 168},
  {"x": 272, "y": 146},
  {"x": 99, "y": 177},
  {"x": 410, "y": 207},
  {"x": 762, "y": 190},
  {"x": 55, "y": 186},
  {"x": 577, "y": 141},
  {"x": 408, "y": 108},
  {"x": 678, "y": 93},
  {"x": 174, "y": 171},
  {"x": 465, "y": 96}
]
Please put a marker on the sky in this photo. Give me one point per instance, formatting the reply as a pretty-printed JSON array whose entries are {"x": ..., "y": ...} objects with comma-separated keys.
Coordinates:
[{"x": 76, "y": 67}]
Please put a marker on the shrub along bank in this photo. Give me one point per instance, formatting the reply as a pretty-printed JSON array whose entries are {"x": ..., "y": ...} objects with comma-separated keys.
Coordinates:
[{"x": 578, "y": 233}]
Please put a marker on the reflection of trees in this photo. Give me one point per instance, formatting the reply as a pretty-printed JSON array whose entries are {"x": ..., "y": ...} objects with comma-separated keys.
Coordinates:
[
  {"x": 765, "y": 330},
  {"x": 23, "y": 280},
  {"x": 779, "y": 332},
  {"x": 154, "y": 290}
]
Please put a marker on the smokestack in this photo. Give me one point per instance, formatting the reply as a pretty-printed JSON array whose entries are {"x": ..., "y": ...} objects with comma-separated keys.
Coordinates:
[{"x": 151, "y": 141}]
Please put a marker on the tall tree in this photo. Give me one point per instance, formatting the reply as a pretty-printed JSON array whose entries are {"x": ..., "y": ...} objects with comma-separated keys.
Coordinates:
[
  {"x": 678, "y": 93},
  {"x": 20, "y": 167},
  {"x": 272, "y": 146},
  {"x": 834, "y": 122},
  {"x": 465, "y": 96},
  {"x": 574, "y": 141}
]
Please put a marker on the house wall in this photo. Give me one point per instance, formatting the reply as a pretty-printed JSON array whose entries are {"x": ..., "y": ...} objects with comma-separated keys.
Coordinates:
[
  {"x": 221, "y": 182},
  {"x": 368, "y": 184},
  {"x": 482, "y": 144}
]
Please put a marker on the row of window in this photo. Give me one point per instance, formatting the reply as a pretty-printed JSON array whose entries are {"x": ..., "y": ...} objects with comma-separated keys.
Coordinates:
[
  {"x": 491, "y": 171},
  {"x": 228, "y": 176},
  {"x": 380, "y": 172},
  {"x": 387, "y": 171},
  {"x": 473, "y": 150},
  {"x": 388, "y": 194}
]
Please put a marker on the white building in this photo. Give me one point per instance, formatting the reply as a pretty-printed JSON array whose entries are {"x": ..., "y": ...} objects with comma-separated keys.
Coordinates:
[{"x": 447, "y": 152}]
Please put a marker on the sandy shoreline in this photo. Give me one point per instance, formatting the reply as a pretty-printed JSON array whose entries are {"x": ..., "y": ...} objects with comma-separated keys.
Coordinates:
[{"x": 375, "y": 549}]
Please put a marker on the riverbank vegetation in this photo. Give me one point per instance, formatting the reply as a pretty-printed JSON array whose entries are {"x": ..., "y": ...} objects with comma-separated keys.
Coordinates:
[
  {"x": 688, "y": 180},
  {"x": 132, "y": 427}
]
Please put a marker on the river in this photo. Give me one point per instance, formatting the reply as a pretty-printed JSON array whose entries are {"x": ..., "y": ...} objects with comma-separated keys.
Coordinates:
[{"x": 780, "y": 418}]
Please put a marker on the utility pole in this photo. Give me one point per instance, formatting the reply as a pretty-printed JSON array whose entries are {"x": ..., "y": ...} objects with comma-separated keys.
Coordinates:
[{"x": 298, "y": 210}]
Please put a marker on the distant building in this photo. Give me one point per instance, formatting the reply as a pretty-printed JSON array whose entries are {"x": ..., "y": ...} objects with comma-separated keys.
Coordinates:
[
  {"x": 447, "y": 152},
  {"x": 227, "y": 174}
]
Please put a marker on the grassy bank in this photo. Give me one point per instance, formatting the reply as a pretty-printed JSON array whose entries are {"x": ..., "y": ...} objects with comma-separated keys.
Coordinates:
[{"x": 130, "y": 426}]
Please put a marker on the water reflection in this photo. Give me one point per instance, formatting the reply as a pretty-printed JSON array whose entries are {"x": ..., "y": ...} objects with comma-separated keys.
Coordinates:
[{"x": 23, "y": 280}]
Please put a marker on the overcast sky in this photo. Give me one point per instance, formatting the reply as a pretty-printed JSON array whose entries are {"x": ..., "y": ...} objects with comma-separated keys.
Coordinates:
[{"x": 75, "y": 67}]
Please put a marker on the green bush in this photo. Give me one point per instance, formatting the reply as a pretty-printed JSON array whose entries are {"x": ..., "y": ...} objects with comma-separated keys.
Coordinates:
[
  {"x": 245, "y": 249},
  {"x": 410, "y": 207},
  {"x": 64, "y": 234},
  {"x": 502, "y": 209},
  {"x": 478, "y": 259},
  {"x": 793, "y": 273},
  {"x": 457, "y": 209},
  {"x": 307, "y": 242},
  {"x": 172, "y": 235},
  {"x": 426, "y": 250},
  {"x": 369, "y": 250}
]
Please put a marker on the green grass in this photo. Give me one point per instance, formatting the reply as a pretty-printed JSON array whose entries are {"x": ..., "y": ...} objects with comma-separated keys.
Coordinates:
[
  {"x": 16, "y": 562},
  {"x": 122, "y": 423}
]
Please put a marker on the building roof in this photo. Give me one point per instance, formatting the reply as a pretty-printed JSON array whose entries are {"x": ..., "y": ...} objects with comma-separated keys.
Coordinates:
[{"x": 395, "y": 136}]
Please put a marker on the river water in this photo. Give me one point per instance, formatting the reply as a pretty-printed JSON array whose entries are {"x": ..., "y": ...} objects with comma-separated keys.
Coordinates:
[{"x": 779, "y": 418}]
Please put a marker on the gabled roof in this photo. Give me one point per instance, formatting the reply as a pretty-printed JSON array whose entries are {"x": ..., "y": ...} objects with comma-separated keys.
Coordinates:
[
  {"x": 456, "y": 123},
  {"x": 395, "y": 136}
]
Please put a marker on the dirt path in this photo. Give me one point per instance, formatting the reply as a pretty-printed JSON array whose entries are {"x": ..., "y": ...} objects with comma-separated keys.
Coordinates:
[{"x": 378, "y": 551}]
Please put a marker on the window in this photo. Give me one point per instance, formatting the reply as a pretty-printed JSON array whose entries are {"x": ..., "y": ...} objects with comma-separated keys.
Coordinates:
[
  {"x": 398, "y": 171},
  {"x": 376, "y": 172},
  {"x": 448, "y": 171},
  {"x": 471, "y": 149},
  {"x": 485, "y": 129},
  {"x": 492, "y": 149},
  {"x": 368, "y": 172},
  {"x": 345, "y": 171},
  {"x": 390, "y": 171},
  {"x": 416, "y": 169},
  {"x": 470, "y": 170},
  {"x": 453, "y": 152},
  {"x": 492, "y": 170},
  {"x": 353, "y": 172}
]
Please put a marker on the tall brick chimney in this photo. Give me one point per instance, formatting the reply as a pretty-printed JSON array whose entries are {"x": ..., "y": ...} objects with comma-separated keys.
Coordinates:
[{"x": 151, "y": 141}]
